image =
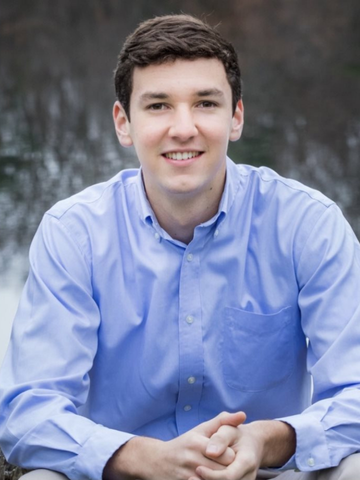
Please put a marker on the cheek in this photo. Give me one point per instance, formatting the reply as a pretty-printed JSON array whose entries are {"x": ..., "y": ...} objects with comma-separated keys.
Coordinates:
[
  {"x": 217, "y": 136},
  {"x": 148, "y": 136},
  {"x": 217, "y": 129}
]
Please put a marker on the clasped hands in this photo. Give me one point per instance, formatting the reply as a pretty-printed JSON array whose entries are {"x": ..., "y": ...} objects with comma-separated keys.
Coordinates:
[
  {"x": 229, "y": 452},
  {"x": 223, "y": 448}
]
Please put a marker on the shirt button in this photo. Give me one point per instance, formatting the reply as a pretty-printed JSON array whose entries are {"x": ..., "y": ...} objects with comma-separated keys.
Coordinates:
[
  {"x": 189, "y": 257},
  {"x": 157, "y": 236},
  {"x": 187, "y": 408},
  {"x": 216, "y": 233},
  {"x": 191, "y": 380},
  {"x": 311, "y": 462},
  {"x": 189, "y": 319}
]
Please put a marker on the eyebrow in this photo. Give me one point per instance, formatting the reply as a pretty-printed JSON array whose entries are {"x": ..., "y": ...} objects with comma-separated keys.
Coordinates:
[
  {"x": 153, "y": 96},
  {"x": 210, "y": 92}
]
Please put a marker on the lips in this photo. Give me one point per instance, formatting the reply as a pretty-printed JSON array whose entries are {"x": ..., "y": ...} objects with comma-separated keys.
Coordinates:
[{"x": 182, "y": 155}]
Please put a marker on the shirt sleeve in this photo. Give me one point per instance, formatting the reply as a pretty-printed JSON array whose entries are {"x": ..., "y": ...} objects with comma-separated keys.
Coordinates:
[
  {"x": 45, "y": 374},
  {"x": 328, "y": 273}
]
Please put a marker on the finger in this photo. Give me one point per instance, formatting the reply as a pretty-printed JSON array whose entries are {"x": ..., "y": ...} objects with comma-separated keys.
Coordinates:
[
  {"x": 211, "y": 465},
  {"x": 206, "y": 473},
  {"x": 221, "y": 440},
  {"x": 200, "y": 443},
  {"x": 242, "y": 468},
  {"x": 210, "y": 427},
  {"x": 225, "y": 458}
]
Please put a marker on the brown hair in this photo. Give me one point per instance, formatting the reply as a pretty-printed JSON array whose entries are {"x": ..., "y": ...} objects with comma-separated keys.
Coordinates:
[{"x": 167, "y": 38}]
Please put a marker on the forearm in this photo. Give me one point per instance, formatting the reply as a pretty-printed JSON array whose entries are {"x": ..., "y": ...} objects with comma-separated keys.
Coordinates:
[{"x": 68, "y": 443}]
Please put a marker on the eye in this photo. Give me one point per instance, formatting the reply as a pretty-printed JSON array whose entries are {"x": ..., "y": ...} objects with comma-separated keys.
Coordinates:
[
  {"x": 157, "y": 106},
  {"x": 207, "y": 104}
]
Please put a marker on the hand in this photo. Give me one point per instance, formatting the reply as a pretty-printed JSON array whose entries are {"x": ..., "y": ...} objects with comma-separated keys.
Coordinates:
[
  {"x": 177, "y": 459},
  {"x": 258, "y": 444}
]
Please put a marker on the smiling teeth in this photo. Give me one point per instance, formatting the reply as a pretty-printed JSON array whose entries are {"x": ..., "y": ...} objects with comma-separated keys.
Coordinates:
[{"x": 181, "y": 155}]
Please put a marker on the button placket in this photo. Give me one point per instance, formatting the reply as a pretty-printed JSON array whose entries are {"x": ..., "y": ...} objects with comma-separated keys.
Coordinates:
[{"x": 190, "y": 343}]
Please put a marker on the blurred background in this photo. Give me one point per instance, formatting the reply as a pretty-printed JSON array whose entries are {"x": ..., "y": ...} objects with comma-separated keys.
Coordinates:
[{"x": 300, "y": 62}]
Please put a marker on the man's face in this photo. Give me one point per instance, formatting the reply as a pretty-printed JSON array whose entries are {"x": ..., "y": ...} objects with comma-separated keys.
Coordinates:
[{"x": 181, "y": 123}]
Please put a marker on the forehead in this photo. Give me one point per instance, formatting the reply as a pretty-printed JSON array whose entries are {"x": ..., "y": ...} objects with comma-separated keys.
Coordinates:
[{"x": 180, "y": 76}]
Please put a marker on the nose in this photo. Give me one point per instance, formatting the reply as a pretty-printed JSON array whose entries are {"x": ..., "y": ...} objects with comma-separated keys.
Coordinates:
[{"x": 183, "y": 125}]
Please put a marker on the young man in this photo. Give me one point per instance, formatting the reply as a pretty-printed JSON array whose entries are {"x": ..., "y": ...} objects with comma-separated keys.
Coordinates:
[{"x": 184, "y": 289}]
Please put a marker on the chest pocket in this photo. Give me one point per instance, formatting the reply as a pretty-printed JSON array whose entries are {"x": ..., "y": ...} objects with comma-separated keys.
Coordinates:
[{"x": 257, "y": 349}]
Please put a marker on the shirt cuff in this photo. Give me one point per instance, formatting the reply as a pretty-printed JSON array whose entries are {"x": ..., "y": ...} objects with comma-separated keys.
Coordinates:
[
  {"x": 311, "y": 452},
  {"x": 96, "y": 452}
]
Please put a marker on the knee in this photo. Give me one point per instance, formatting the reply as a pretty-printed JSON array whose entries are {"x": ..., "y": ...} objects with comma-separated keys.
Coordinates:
[
  {"x": 349, "y": 469},
  {"x": 43, "y": 475}
]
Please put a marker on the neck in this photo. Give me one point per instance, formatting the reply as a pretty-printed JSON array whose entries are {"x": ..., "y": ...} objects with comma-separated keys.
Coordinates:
[{"x": 179, "y": 216}]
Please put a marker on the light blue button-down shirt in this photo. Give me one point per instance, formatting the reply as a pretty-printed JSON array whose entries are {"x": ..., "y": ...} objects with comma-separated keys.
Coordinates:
[{"x": 122, "y": 330}]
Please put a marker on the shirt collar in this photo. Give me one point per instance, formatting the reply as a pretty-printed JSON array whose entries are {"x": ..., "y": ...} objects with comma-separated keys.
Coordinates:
[
  {"x": 232, "y": 184},
  {"x": 145, "y": 211}
]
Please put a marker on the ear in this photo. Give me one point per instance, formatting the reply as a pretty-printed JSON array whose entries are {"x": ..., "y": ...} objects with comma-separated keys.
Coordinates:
[
  {"x": 237, "y": 122},
  {"x": 122, "y": 125}
]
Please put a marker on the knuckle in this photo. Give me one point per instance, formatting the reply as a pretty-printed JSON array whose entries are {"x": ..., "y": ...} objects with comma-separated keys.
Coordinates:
[
  {"x": 229, "y": 454},
  {"x": 226, "y": 475},
  {"x": 225, "y": 433},
  {"x": 189, "y": 460},
  {"x": 195, "y": 441},
  {"x": 216, "y": 437},
  {"x": 191, "y": 436},
  {"x": 250, "y": 462},
  {"x": 223, "y": 414},
  {"x": 223, "y": 430}
]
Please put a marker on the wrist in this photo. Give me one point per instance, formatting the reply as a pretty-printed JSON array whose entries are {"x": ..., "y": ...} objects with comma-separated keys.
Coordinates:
[
  {"x": 131, "y": 461},
  {"x": 276, "y": 440}
]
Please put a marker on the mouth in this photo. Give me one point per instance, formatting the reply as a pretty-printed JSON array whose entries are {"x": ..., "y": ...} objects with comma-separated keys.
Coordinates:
[{"x": 181, "y": 156}]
